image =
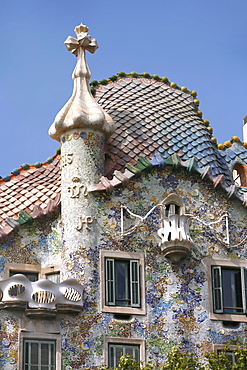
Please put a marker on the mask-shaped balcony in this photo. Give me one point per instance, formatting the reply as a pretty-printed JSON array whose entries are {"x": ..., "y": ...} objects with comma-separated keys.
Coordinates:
[
  {"x": 42, "y": 297},
  {"x": 175, "y": 238}
]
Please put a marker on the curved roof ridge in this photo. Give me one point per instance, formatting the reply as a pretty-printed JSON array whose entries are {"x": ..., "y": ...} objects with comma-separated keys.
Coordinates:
[
  {"x": 26, "y": 166},
  {"x": 94, "y": 84},
  {"x": 152, "y": 116},
  {"x": 234, "y": 139}
]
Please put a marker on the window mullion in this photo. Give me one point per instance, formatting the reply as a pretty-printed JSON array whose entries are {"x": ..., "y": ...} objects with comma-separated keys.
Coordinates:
[
  {"x": 49, "y": 356},
  {"x": 29, "y": 354},
  {"x": 115, "y": 356},
  {"x": 244, "y": 287},
  {"x": 39, "y": 355}
]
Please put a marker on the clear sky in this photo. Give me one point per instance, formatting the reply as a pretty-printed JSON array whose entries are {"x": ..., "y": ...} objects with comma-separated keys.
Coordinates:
[{"x": 197, "y": 44}]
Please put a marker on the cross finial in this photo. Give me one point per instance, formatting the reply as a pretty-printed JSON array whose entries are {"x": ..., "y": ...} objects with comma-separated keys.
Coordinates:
[
  {"x": 81, "y": 110},
  {"x": 83, "y": 40}
]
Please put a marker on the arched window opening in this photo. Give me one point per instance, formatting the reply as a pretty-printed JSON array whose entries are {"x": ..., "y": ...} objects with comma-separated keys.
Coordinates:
[
  {"x": 239, "y": 175},
  {"x": 173, "y": 205},
  {"x": 172, "y": 209}
]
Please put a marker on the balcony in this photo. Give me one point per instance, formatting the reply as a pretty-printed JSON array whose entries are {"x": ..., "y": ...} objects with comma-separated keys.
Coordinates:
[
  {"x": 175, "y": 238},
  {"x": 41, "y": 298}
]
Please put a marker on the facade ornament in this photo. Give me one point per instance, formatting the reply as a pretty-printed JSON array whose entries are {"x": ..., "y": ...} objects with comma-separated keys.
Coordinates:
[
  {"x": 176, "y": 242},
  {"x": 18, "y": 290},
  {"x": 84, "y": 221},
  {"x": 174, "y": 232}
]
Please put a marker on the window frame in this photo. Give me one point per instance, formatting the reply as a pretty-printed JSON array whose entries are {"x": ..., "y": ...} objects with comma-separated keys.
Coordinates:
[
  {"x": 220, "y": 315},
  {"x": 30, "y": 268},
  {"x": 175, "y": 201},
  {"x": 23, "y": 335},
  {"x": 221, "y": 347},
  {"x": 27, "y": 342},
  {"x": 50, "y": 270},
  {"x": 128, "y": 256},
  {"x": 21, "y": 267},
  {"x": 124, "y": 341},
  {"x": 239, "y": 174}
]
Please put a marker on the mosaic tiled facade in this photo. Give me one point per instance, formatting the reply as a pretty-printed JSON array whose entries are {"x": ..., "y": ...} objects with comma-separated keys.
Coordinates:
[
  {"x": 160, "y": 198},
  {"x": 177, "y": 297}
]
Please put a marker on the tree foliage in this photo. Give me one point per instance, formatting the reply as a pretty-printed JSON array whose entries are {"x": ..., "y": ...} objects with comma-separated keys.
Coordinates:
[{"x": 178, "y": 360}]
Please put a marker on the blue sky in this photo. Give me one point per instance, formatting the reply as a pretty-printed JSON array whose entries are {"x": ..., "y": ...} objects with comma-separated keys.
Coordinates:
[{"x": 197, "y": 44}]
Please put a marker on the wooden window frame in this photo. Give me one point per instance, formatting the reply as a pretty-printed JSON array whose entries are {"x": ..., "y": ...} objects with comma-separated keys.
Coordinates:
[
  {"x": 129, "y": 256},
  {"x": 27, "y": 342},
  {"x": 35, "y": 268},
  {"x": 221, "y": 347},
  {"x": 221, "y": 316},
  {"x": 23, "y": 335},
  {"x": 124, "y": 341},
  {"x": 241, "y": 171}
]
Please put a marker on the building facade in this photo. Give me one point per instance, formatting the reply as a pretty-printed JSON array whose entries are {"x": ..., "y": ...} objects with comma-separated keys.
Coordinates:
[{"x": 132, "y": 238}]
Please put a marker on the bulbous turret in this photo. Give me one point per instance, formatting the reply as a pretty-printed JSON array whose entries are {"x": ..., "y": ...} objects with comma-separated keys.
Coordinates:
[{"x": 81, "y": 110}]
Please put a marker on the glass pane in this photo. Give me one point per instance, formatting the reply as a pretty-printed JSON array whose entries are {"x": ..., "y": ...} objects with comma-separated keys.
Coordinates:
[
  {"x": 32, "y": 276},
  {"x": 231, "y": 357},
  {"x": 119, "y": 353},
  {"x": 26, "y": 352},
  {"x": 34, "y": 353},
  {"x": 54, "y": 277},
  {"x": 44, "y": 354},
  {"x": 129, "y": 351},
  {"x": 171, "y": 209},
  {"x": 111, "y": 356},
  {"x": 117, "y": 350},
  {"x": 39, "y": 355},
  {"x": 122, "y": 283},
  {"x": 232, "y": 291},
  {"x": 52, "y": 350}
]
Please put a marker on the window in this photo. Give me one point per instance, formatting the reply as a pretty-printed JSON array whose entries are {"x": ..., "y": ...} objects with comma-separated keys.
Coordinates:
[
  {"x": 229, "y": 354},
  {"x": 32, "y": 276},
  {"x": 239, "y": 175},
  {"x": 39, "y": 355},
  {"x": 54, "y": 277},
  {"x": 122, "y": 282},
  {"x": 32, "y": 272},
  {"x": 227, "y": 288},
  {"x": 228, "y": 351},
  {"x": 172, "y": 209},
  {"x": 173, "y": 205},
  {"x": 51, "y": 273},
  {"x": 115, "y": 351},
  {"x": 115, "y": 347},
  {"x": 39, "y": 345}
]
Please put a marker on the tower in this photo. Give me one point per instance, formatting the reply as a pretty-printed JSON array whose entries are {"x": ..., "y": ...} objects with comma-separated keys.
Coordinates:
[{"x": 82, "y": 128}]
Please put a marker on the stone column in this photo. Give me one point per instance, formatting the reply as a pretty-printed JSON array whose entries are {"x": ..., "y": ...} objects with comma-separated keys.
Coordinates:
[{"x": 82, "y": 127}]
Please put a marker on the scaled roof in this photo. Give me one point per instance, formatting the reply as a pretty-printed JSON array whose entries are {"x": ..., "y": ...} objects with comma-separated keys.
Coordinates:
[{"x": 157, "y": 124}]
